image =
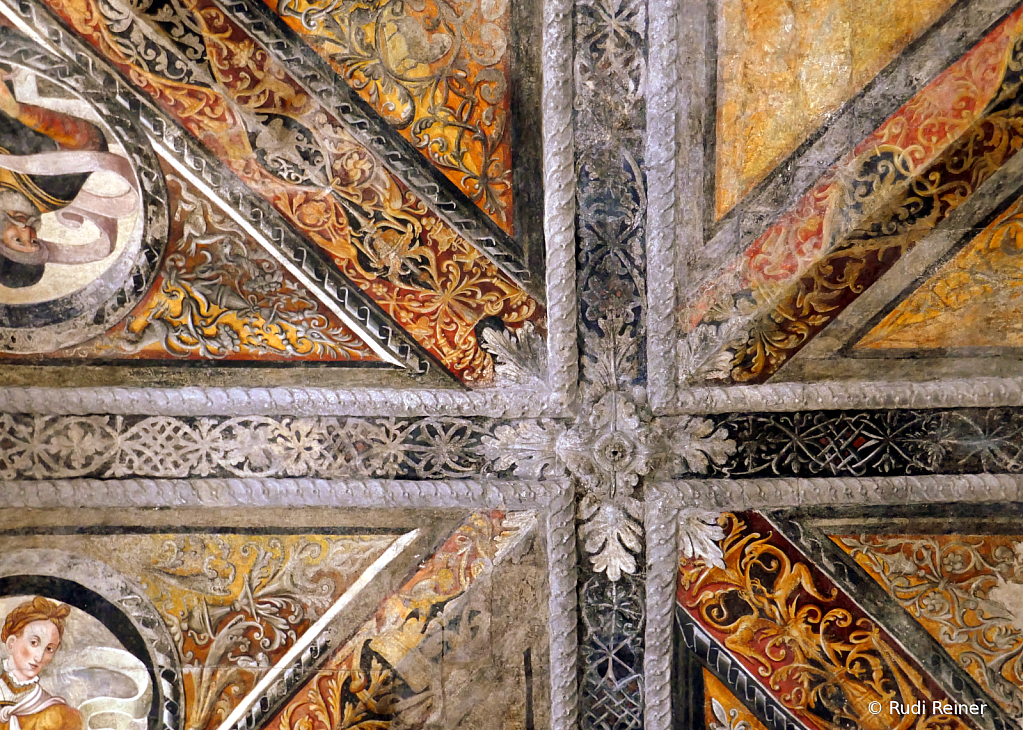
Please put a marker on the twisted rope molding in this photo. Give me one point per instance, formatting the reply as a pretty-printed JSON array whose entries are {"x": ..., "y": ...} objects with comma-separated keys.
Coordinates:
[
  {"x": 660, "y": 522},
  {"x": 289, "y": 493},
  {"x": 559, "y": 202},
  {"x": 662, "y": 198},
  {"x": 200, "y": 401},
  {"x": 743, "y": 494},
  {"x": 951, "y": 393},
  {"x": 563, "y": 601}
]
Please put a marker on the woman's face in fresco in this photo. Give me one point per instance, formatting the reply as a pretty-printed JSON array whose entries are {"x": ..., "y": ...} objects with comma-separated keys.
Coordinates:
[{"x": 32, "y": 650}]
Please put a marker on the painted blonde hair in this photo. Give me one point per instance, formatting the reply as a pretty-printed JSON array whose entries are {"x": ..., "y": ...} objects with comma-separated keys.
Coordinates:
[{"x": 36, "y": 609}]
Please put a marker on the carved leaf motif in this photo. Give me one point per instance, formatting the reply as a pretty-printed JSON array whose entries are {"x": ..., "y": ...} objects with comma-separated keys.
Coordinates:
[
  {"x": 696, "y": 444},
  {"x": 615, "y": 361},
  {"x": 699, "y": 536},
  {"x": 520, "y": 357},
  {"x": 527, "y": 447},
  {"x": 611, "y": 533}
]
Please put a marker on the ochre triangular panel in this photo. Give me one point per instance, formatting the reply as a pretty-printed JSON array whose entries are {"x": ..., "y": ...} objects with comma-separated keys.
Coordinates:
[
  {"x": 723, "y": 711},
  {"x": 965, "y": 590},
  {"x": 975, "y": 300},
  {"x": 784, "y": 66}
]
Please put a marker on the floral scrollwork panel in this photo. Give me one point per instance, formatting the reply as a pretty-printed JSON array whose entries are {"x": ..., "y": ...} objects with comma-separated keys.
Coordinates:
[
  {"x": 244, "y": 106},
  {"x": 810, "y": 646},
  {"x": 965, "y": 591},
  {"x": 438, "y": 72}
]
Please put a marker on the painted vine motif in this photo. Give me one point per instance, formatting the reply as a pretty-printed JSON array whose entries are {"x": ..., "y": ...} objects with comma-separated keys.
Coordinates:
[
  {"x": 811, "y": 646},
  {"x": 965, "y": 590},
  {"x": 438, "y": 71},
  {"x": 360, "y": 685},
  {"x": 863, "y": 214},
  {"x": 220, "y": 296},
  {"x": 217, "y": 82}
]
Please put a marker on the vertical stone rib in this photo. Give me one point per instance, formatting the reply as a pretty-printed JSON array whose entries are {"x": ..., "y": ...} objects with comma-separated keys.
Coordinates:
[
  {"x": 662, "y": 567},
  {"x": 564, "y": 596},
  {"x": 662, "y": 198},
  {"x": 559, "y": 200}
]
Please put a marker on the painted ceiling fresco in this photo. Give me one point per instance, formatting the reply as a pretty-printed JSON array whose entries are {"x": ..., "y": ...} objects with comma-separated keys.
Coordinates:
[
  {"x": 901, "y": 188},
  {"x": 972, "y": 301},
  {"x": 784, "y": 66},
  {"x": 824, "y": 624},
  {"x": 407, "y": 263},
  {"x": 237, "y": 605},
  {"x": 966, "y": 590}
]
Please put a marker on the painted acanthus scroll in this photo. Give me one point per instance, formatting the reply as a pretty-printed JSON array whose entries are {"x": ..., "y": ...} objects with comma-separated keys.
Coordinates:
[
  {"x": 436, "y": 71},
  {"x": 814, "y": 649}
]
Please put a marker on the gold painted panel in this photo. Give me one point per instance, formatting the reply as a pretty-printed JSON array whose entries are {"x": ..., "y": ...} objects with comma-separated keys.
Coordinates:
[
  {"x": 437, "y": 71},
  {"x": 975, "y": 300},
  {"x": 723, "y": 711},
  {"x": 784, "y": 65},
  {"x": 966, "y": 591}
]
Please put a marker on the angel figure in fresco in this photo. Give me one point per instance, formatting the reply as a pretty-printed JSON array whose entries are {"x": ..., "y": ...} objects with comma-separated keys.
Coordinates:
[
  {"x": 32, "y": 633},
  {"x": 46, "y": 156}
]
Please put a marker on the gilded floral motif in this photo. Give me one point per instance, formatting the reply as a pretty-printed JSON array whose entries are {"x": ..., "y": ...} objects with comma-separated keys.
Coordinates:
[
  {"x": 436, "y": 70},
  {"x": 240, "y": 102},
  {"x": 967, "y": 591},
  {"x": 973, "y": 301},
  {"x": 812, "y": 647}
]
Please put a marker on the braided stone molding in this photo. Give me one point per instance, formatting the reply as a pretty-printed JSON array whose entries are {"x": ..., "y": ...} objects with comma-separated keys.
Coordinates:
[
  {"x": 132, "y": 601},
  {"x": 191, "y": 401},
  {"x": 953, "y": 393},
  {"x": 661, "y": 579},
  {"x": 743, "y": 494},
  {"x": 662, "y": 198},
  {"x": 443, "y": 198},
  {"x": 282, "y": 493},
  {"x": 563, "y": 605},
  {"x": 559, "y": 201},
  {"x": 305, "y": 257}
]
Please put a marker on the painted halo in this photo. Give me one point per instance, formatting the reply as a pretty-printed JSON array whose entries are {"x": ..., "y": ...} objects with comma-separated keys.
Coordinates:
[{"x": 114, "y": 203}]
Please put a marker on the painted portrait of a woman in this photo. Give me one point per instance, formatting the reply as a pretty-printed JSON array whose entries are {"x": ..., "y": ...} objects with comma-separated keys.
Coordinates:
[{"x": 31, "y": 634}]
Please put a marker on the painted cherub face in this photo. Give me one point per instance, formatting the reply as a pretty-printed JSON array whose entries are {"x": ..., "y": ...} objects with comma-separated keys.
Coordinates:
[
  {"x": 33, "y": 649},
  {"x": 19, "y": 221}
]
